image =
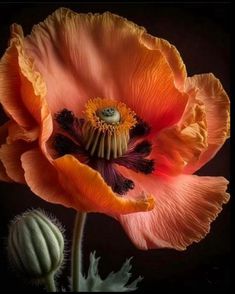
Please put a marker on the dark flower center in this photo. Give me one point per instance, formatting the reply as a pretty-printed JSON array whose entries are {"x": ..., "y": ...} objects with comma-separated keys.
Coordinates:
[{"x": 92, "y": 147}]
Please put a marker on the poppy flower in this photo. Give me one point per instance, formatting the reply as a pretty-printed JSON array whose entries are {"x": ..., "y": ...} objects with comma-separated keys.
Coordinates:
[{"x": 103, "y": 118}]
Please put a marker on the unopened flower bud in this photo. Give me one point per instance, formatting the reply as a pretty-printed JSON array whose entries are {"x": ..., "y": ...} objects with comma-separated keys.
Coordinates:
[{"x": 35, "y": 245}]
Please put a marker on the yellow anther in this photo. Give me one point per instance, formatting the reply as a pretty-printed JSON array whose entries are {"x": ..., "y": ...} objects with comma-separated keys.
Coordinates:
[{"x": 106, "y": 128}]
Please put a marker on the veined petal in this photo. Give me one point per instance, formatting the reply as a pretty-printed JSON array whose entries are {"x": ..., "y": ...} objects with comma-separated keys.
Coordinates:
[
  {"x": 217, "y": 109},
  {"x": 176, "y": 147},
  {"x": 33, "y": 87},
  {"x": 107, "y": 59},
  {"x": 3, "y": 175},
  {"x": 23, "y": 95},
  {"x": 172, "y": 56},
  {"x": 3, "y": 136},
  {"x": 4, "y": 132},
  {"x": 42, "y": 178},
  {"x": 91, "y": 193},
  {"x": 16, "y": 132},
  {"x": 150, "y": 91},
  {"x": 185, "y": 207},
  {"x": 12, "y": 81},
  {"x": 10, "y": 155},
  {"x": 68, "y": 183}
]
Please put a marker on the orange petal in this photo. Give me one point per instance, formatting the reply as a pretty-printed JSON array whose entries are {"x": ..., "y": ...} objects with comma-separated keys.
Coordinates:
[
  {"x": 4, "y": 132},
  {"x": 3, "y": 175},
  {"x": 10, "y": 153},
  {"x": 91, "y": 193},
  {"x": 26, "y": 104},
  {"x": 11, "y": 82},
  {"x": 42, "y": 178},
  {"x": 34, "y": 92},
  {"x": 217, "y": 109},
  {"x": 172, "y": 56},
  {"x": 33, "y": 87},
  {"x": 3, "y": 135},
  {"x": 185, "y": 207},
  {"x": 107, "y": 58},
  {"x": 10, "y": 157},
  {"x": 149, "y": 89},
  {"x": 16, "y": 132}
]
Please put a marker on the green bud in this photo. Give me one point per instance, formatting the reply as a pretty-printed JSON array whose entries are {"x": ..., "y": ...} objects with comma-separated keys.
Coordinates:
[{"x": 35, "y": 245}]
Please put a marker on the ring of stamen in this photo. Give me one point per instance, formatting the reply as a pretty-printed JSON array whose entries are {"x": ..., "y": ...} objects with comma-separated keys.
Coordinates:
[{"x": 106, "y": 128}]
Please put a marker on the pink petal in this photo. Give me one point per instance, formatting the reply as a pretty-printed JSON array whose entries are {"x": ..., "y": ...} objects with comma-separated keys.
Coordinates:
[
  {"x": 202, "y": 130},
  {"x": 185, "y": 207},
  {"x": 217, "y": 109},
  {"x": 182, "y": 144}
]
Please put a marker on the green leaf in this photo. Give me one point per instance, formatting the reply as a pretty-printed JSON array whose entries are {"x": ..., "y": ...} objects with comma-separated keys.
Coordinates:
[{"x": 114, "y": 282}]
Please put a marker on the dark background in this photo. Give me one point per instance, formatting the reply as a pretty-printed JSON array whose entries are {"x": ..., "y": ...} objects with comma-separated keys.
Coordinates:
[{"x": 201, "y": 33}]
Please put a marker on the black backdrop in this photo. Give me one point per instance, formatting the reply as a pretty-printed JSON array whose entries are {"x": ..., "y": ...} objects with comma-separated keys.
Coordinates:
[{"x": 201, "y": 34}]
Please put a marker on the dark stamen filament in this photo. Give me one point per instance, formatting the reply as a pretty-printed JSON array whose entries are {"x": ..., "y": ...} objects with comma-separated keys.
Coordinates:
[
  {"x": 113, "y": 178},
  {"x": 144, "y": 148},
  {"x": 64, "y": 145},
  {"x": 71, "y": 124},
  {"x": 140, "y": 129}
]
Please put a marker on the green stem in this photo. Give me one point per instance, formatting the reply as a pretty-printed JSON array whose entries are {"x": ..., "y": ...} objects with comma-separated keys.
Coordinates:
[
  {"x": 50, "y": 283},
  {"x": 77, "y": 250}
]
